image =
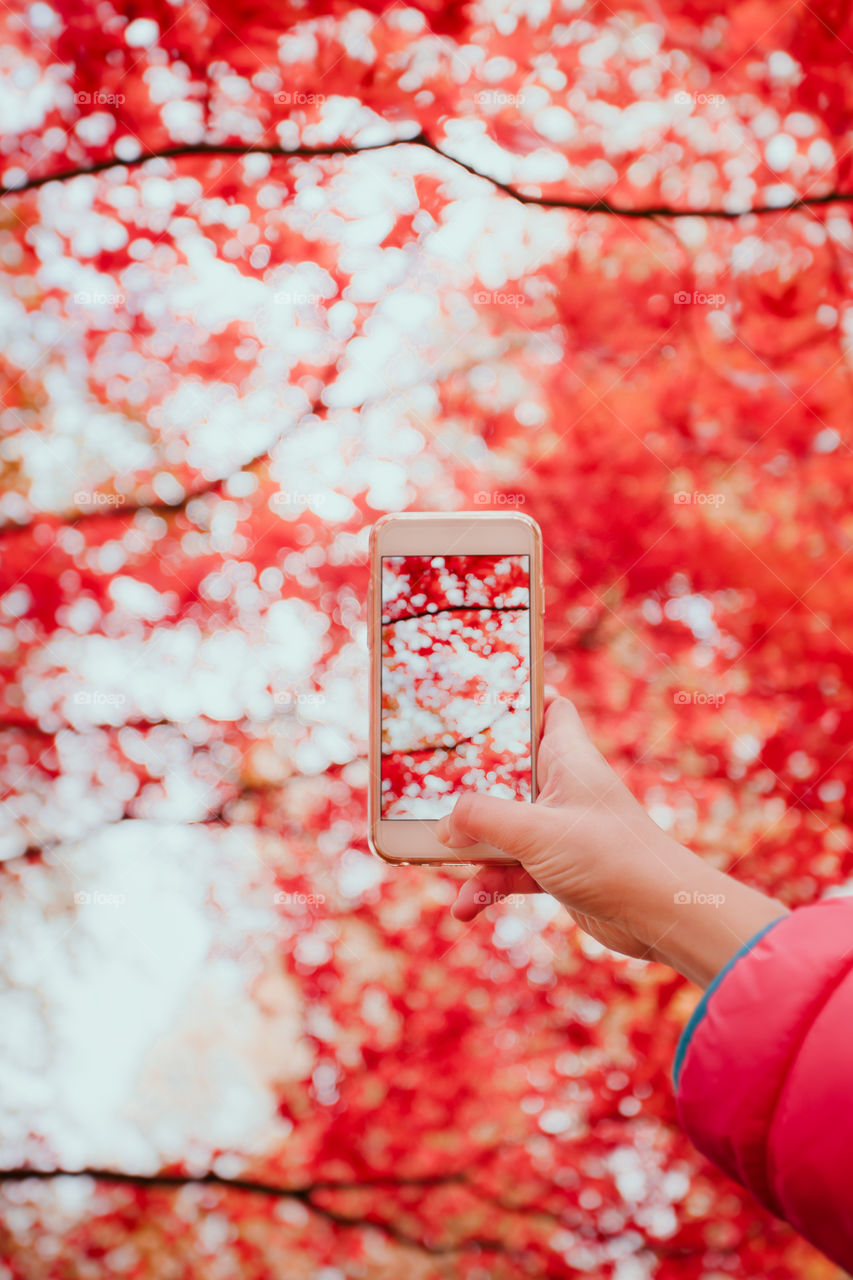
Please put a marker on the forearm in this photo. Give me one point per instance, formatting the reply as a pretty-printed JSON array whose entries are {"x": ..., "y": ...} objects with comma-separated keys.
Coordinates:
[{"x": 698, "y": 925}]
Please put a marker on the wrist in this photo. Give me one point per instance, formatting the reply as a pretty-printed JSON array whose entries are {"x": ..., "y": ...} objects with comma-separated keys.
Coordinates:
[{"x": 703, "y": 917}]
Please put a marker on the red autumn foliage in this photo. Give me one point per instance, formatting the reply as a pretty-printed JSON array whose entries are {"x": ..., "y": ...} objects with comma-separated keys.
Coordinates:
[{"x": 269, "y": 273}]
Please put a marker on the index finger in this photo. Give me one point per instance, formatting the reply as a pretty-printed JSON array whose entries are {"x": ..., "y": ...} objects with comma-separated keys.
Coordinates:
[{"x": 488, "y": 886}]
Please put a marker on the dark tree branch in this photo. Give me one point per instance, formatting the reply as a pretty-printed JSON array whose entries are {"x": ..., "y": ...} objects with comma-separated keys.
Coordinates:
[
  {"x": 197, "y": 149},
  {"x": 214, "y": 818},
  {"x": 125, "y": 510},
  {"x": 422, "y": 140},
  {"x": 440, "y": 746},
  {"x": 252, "y": 1185},
  {"x": 211, "y": 489},
  {"x": 305, "y": 1194},
  {"x": 458, "y": 608}
]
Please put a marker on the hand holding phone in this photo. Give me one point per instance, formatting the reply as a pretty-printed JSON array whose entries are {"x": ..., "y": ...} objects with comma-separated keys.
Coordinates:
[
  {"x": 455, "y": 615},
  {"x": 589, "y": 843}
]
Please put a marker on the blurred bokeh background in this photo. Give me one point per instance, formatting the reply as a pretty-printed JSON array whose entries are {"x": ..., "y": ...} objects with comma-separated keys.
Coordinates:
[{"x": 270, "y": 271}]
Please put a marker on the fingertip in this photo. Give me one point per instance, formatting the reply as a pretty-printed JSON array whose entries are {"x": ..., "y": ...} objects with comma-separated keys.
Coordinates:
[
  {"x": 460, "y": 912},
  {"x": 468, "y": 904},
  {"x": 562, "y": 716},
  {"x": 447, "y": 835}
]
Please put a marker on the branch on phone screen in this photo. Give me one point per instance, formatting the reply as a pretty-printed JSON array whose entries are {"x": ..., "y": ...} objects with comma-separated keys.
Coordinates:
[
  {"x": 442, "y": 746},
  {"x": 458, "y": 608}
]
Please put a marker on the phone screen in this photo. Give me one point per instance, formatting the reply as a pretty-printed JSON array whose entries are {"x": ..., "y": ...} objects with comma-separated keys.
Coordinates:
[{"x": 455, "y": 681}]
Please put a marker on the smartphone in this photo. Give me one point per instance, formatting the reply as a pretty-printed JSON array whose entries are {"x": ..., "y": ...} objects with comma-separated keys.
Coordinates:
[{"x": 455, "y": 634}]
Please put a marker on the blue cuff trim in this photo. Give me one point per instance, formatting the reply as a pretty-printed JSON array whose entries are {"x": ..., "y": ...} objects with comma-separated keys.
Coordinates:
[{"x": 701, "y": 1008}]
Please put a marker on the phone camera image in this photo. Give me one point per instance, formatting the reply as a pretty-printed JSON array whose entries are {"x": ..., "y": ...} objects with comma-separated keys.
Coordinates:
[{"x": 455, "y": 681}]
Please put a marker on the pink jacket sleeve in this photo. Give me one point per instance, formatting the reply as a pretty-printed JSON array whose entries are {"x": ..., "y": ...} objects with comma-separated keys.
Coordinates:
[{"x": 764, "y": 1073}]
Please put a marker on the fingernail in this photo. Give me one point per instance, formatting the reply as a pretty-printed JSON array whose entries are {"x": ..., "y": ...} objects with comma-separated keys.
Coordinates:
[{"x": 442, "y": 830}]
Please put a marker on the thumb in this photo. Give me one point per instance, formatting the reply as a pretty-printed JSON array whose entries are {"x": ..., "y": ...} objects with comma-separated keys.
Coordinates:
[{"x": 514, "y": 826}]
